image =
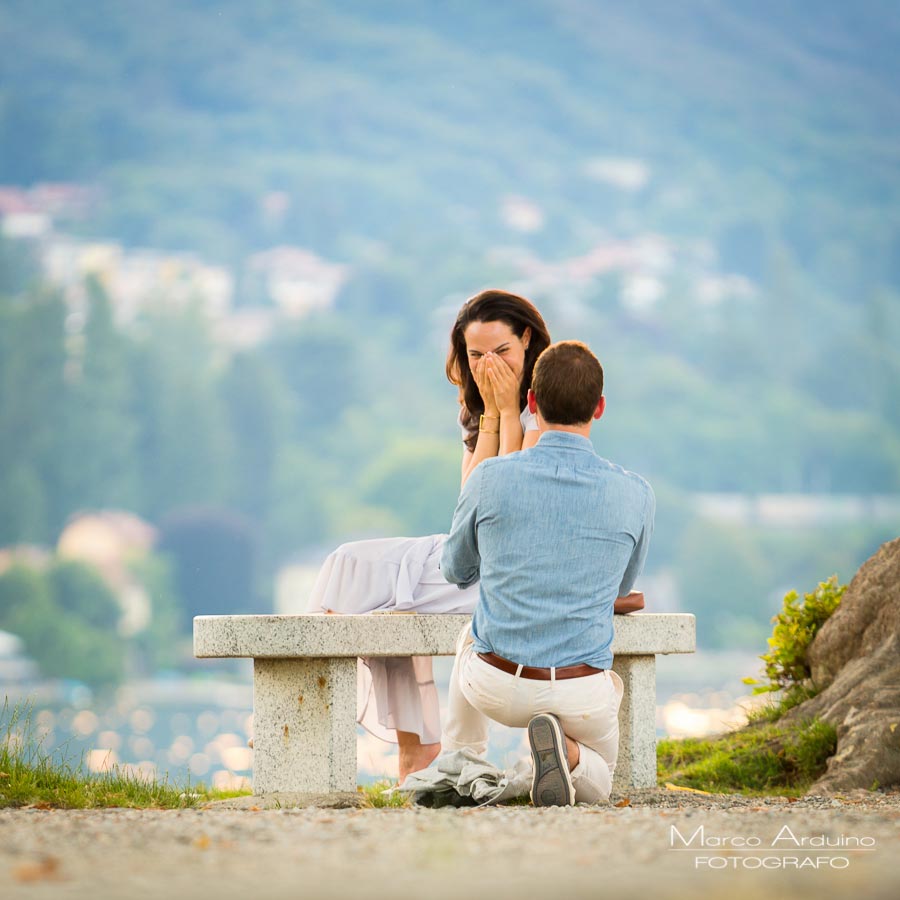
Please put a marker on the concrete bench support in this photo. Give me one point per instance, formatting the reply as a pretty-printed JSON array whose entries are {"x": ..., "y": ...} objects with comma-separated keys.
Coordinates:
[
  {"x": 304, "y": 686},
  {"x": 636, "y": 765},
  {"x": 304, "y": 709}
]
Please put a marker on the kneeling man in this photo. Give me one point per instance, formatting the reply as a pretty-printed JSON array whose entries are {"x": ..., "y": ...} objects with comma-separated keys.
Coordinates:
[{"x": 557, "y": 536}]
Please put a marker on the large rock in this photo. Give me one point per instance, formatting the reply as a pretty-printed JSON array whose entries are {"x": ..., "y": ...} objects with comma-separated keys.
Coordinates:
[{"x": 855, "y": 661}]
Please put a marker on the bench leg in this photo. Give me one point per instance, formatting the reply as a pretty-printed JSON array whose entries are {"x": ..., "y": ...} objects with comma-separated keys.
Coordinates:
[
  {"x": 636, "y": 766},
  {"x": 304, "y": 725}
]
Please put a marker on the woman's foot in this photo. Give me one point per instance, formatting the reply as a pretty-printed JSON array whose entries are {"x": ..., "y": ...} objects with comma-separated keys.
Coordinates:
[{"x": 414, "y": 755}]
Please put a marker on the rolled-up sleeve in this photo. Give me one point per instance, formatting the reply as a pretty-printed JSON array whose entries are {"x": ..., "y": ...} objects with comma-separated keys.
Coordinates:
[{"x": 460, "y": 559}]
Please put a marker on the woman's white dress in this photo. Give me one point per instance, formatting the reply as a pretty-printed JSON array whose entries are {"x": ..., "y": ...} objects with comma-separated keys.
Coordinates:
[{"x": 395, "y": 574}]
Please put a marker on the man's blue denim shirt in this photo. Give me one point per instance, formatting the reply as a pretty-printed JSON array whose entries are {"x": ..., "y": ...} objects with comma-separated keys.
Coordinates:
[{"x": 555, "y": 534}]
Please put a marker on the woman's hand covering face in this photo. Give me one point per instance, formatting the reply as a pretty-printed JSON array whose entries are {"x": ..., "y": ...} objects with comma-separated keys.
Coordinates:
[
  {"x": 504, "y": 382},
  {"x": 485, "y": 388}
]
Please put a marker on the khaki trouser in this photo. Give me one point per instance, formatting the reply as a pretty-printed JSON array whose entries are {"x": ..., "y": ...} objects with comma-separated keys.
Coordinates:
[{"x": 587, "y": 708}]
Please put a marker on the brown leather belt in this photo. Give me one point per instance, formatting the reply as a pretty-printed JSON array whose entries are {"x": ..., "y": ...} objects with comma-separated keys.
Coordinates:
[{"x": 536, "y": 672}]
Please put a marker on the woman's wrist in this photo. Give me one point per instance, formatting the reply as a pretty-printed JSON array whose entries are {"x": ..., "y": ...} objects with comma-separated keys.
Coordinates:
[
  {"x": 491, "y": 412},
  {"x": 487, "y": 425},
  {"x": 508, "y": 411}
]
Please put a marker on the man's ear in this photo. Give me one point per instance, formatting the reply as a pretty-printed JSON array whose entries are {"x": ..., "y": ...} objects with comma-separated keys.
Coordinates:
[
  {"x": 601, "y": 408},
  {"x": 532, "y": 402}
]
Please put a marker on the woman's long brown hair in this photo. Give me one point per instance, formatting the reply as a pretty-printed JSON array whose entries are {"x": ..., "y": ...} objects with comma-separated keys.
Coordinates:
[{"x": 492, "y": 306}]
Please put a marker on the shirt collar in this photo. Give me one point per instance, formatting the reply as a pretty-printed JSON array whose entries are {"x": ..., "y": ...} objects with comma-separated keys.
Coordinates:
[{"x": 566, "y": 439}]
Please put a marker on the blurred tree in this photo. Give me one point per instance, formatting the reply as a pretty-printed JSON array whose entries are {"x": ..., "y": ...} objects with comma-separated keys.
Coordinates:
[
  {"x": 32, "y": 359},
  {"x": 79, "y": 591},
  {"x": 24, "y": 506},
  {"x": 163, "y": 642},
  {"x": 303, "y": 491},
  {"x": 184, "y": 446},
  {"x": 60, "y": 641},
  {"x": 259, "y": 415},
  {"x": 380, "y": 295},
  {"x": 100, "y": 427},
  {"x": 319, "y": 361},
  {"x": 417, "y": 480},
  {"x": 214, "y": 557},
  {"x": 19, "y": 269}
]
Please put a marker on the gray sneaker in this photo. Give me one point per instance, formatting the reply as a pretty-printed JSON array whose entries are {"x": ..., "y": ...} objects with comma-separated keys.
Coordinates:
[{"x": 552, "y": 784}]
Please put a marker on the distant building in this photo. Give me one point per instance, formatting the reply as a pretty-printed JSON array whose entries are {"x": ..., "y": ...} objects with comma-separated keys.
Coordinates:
[
  {"x": 31, "y": 556},
  {"x": 641, "y": 263},
  {"x": 20, "y": 217},
  {"x": 296, "y": 280},
  {"x": 31, "y": 212},
  {"x": 136, "y": 280},
  {"x": 245, "y": 327},
  {"x": 284, "y": 282}
]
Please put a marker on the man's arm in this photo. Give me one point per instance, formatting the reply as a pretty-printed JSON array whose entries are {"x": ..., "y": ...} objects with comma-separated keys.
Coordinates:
[
  {"x": 630, "y": 603},
  {"x": 639, "y": 554},
  {"x": 460, "y": 559}
]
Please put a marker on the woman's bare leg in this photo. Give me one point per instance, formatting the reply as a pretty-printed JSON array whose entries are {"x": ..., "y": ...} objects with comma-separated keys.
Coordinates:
[{"x": 414, "y": 755}]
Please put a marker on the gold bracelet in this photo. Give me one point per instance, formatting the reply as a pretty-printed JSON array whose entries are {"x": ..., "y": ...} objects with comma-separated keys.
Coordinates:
[{"x": 490, "y": 419}]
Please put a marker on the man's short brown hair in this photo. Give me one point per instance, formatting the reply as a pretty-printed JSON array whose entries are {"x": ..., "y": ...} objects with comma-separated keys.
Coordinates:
[{"x": 567, "y": 383}]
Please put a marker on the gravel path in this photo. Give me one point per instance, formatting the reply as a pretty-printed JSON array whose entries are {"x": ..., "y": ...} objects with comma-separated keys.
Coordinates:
[{"x": 516, "y": 852}]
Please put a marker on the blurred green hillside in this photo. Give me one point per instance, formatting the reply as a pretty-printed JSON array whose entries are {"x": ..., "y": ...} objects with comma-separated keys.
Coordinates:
[
  {"x": 743, "y": 161},
  {"x": 406, "y": 122}
]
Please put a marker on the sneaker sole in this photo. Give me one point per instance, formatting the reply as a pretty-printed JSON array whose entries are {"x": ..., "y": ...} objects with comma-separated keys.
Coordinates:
[{"x": 552, "y": 785}]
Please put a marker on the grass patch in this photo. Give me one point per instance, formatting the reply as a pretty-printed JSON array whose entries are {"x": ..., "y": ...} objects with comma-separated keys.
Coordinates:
[
  {"x": 30, "y": 776},
  {"x": 762, "y": 758},
  {"x": 376, "y": 799},
  {"x": 205, "y": 794}
]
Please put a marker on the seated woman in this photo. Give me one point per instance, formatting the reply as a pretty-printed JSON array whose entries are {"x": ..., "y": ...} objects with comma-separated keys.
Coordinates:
[{"x": 494, "y": 344}]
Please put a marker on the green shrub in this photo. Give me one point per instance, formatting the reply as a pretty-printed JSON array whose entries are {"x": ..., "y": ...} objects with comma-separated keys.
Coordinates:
[{"x": 786, "y": 663}]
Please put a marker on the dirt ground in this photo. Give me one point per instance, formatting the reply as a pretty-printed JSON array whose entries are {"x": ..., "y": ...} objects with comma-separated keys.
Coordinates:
[{"x": 657, "y": 845}]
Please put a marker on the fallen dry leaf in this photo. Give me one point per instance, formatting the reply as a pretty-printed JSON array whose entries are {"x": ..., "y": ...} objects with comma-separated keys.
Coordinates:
[
  {"x": 201, "y": 842},
  {"x": 46, "y": 869},
  {"x": 625, "y": 801},
  {"x": 677, "y": 787}
]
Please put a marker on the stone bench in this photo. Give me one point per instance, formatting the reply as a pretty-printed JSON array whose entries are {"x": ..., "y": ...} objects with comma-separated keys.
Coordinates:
[{"x": 304, "y": 686}]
